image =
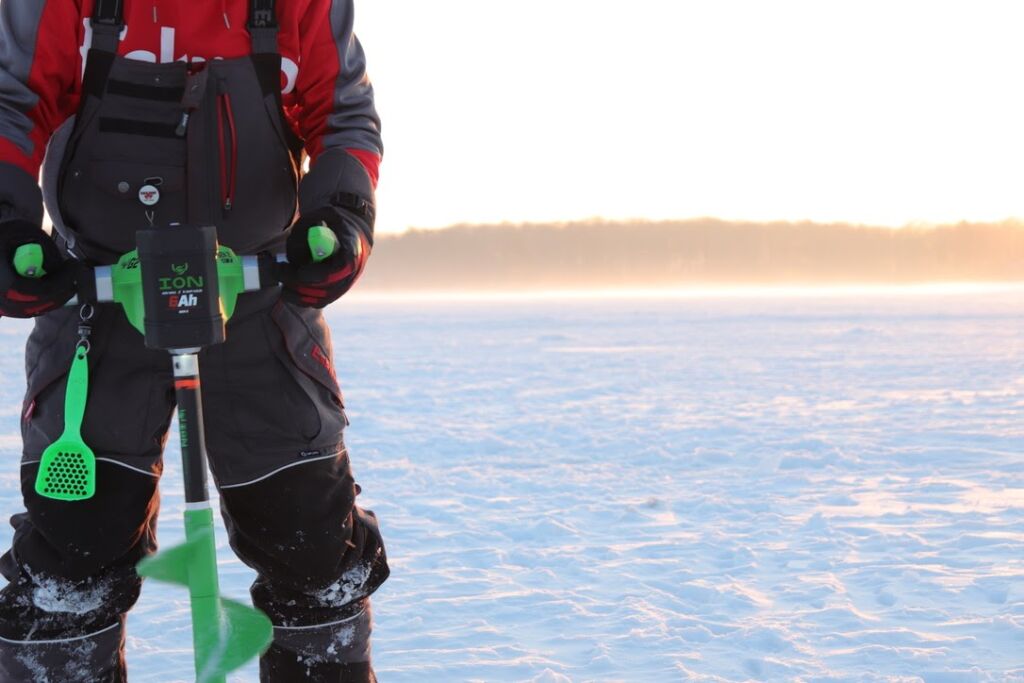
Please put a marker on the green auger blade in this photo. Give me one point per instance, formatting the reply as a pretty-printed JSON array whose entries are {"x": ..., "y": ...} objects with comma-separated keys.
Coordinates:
[
  {"x": 225, "y": 634},
  {"x": 170, "y": 565},
  {"x": 67, "y": 470},
  {"x": 249, "y": 632}
]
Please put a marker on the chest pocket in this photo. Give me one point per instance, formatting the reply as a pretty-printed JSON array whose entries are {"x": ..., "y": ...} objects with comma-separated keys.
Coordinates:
[
  {"x": 125, "y": 164},
  {"x": 159, "y": 145},
  {"x": 242, "y": 171}
]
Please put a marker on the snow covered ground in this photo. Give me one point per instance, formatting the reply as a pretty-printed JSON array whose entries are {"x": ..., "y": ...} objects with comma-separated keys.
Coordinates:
[{"x": 791, "y": 488}]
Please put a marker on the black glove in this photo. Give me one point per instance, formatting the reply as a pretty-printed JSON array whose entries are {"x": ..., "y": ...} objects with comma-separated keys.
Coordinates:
[
  {"x": 308, "y": 283},
  {"x": 26, "y": 297}
]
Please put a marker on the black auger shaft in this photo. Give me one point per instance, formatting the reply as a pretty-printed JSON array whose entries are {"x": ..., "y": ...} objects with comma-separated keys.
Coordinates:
[{"x": 190, "y": 425}]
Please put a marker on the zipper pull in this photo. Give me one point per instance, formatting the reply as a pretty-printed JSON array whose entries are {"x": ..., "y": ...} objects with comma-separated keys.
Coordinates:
[
  {"x": 195, "y": 88},
  {"x": 182, "y": 124}
]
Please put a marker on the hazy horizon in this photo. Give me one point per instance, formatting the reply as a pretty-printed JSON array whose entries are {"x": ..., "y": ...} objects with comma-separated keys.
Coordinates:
[{"x": 658, "y": 256}]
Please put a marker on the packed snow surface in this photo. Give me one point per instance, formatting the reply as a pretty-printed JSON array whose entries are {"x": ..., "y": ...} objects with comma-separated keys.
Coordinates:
[{"x": 724, "y": 488}]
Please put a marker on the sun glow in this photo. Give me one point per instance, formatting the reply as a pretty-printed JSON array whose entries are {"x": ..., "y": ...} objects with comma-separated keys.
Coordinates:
[{"x": 871, "y": 112}]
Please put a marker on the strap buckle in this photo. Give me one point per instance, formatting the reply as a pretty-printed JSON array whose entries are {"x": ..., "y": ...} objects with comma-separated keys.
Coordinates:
[
  {"x": 108, "y": 13},
  {"x": 356, "y": 204},
  {"x": 261, "y": 14},
  {"x": 263, "y": 18}
]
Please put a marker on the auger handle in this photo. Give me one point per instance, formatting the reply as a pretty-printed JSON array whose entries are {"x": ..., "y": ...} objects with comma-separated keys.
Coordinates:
[
  {"x": 122, "y": 282},
  {"x": 322, "y": 242},
  {"x": 253, "y": 271},
  {"x": 28, "y": 261}
]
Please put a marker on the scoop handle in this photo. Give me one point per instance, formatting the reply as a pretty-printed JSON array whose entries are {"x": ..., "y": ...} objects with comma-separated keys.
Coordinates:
[{"x": 76, "y": 393}]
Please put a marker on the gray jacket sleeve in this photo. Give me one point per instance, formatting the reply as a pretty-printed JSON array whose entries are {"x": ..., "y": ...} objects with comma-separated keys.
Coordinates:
[
  {"x": 338, "y": 119},
  {"x": 39, "y": 68}
]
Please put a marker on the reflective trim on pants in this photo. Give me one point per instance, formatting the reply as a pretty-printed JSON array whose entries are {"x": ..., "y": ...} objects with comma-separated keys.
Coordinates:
[
  {"x": 341, "y": 642},
  {"x": 92, "y": 658}
]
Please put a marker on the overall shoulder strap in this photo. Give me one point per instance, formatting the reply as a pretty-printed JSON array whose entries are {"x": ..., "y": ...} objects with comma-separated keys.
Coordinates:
[
  {"x": 262, "y": 26},
  {"x": 107, "y": 23}
]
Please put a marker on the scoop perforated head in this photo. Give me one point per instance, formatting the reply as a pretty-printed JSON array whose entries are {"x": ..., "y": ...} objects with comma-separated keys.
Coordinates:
[{"x": 67, "y": 472}]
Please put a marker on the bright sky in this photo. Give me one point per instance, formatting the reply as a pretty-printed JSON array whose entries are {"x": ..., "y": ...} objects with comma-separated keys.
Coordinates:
[{"x": 875, "y": 111}]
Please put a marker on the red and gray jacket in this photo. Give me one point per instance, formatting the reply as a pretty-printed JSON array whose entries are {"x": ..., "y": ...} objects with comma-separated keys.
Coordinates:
[{"x": 184, "y": 100}]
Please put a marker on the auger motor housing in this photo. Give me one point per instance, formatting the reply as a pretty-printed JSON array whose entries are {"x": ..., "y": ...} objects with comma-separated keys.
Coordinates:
[{"x": 180, "y": 287}]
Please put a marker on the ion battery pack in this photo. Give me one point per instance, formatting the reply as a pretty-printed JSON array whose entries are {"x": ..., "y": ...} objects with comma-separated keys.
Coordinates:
[{"x": 180, "y": 286}]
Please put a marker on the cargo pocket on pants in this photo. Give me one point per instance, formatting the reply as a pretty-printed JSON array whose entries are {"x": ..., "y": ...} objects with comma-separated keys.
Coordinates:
[
  {"x": 308, "y": 342},
  {"x": 272, "y": 402},
  {"x": 267, "y": 407}
]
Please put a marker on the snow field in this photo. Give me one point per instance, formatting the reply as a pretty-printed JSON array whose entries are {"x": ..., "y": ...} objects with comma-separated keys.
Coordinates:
[{"x": 724, "y": 489}]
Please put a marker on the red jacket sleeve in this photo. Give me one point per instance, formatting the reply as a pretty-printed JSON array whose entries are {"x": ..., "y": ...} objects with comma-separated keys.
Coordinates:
[
  {"x": 336, "y": 106},
  {"x": 40, "y": 68}
]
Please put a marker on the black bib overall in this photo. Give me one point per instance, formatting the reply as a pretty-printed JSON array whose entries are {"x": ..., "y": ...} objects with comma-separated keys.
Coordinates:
[{"x": 154, "y": 144}]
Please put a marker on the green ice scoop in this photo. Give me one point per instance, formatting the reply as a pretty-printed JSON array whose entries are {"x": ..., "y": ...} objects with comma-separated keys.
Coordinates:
[{"x": 67, "y": 470}]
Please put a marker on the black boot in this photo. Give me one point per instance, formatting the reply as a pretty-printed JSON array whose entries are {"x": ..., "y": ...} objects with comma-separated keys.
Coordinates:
[
  {"x": 282, "y": 666},
  {"x": 333, "y": 652}
]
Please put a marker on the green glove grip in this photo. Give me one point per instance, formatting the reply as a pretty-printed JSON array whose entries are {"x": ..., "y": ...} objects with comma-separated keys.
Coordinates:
[
  {"x": 322, "y": 242},
  {"x": 28, "y": 261}
]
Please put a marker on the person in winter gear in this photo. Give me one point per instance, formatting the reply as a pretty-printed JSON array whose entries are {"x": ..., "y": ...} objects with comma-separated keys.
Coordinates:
[{"x": 150, "y": 113}]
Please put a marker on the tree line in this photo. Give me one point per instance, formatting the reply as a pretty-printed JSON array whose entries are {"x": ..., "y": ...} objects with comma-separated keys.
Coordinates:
[{"x": 699, "y": 251}]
